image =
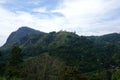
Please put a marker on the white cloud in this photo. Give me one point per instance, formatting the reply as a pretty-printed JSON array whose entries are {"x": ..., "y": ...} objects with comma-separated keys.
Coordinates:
[
  {"x": 82, "y": 16},
  {"x": 85, "y": 15},
  {"x": 11, "y": 21},
  {"x": 34, "y": 2},
  {"x": 43, "y": 10},
  {"x": 3, "y": 1},
  {"x": 80, "y": 7}
]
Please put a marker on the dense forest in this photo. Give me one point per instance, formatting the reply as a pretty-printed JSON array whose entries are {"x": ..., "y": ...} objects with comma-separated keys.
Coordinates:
[{"x": 30, "y": 54}]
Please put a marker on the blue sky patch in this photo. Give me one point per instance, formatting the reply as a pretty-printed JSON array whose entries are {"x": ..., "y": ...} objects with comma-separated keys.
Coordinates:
[{"x": 28, "y": 5}]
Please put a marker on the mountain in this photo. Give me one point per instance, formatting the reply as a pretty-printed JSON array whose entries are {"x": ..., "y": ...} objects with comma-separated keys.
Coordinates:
[
  {"x": 34, "y": 42},
  {"x": 23, "y": 37},
  {"x": 114, "y": 37},
  {"x": 92, "y": 55}
]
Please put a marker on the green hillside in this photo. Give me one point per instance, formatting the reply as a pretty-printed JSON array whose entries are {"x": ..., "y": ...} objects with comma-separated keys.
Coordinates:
[{"x": 57, "y": 55}]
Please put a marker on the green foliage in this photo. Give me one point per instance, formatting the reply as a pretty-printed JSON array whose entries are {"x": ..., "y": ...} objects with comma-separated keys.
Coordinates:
[
  {"x": 116, "y": 75},
  {"x": 42, "y": 67},
  {"x": 101, "y": 75},
  {"x": 2, "y": 68},
  {"x": 14, "y": 61},
  {"x": 73, "y": 73},
  {"x": 46, "y": 67},
  {"x": 0, "y": 53},
  {"x": 14, "y": 78},
  {"x": 15, "y": 57},
  {"x": 94, "y": 55}
]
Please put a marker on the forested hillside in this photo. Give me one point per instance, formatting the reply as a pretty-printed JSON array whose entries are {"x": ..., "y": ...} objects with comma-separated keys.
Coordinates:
[{"x": 30, "y": 54}]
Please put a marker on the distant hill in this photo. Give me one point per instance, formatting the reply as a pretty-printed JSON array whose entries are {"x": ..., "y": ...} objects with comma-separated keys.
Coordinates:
[{"x": 114, "y": 37}]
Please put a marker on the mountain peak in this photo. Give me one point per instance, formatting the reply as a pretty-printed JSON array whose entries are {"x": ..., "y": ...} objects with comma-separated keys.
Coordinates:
[
  {"x": 25, "y": 29},
  {"x": 22, "y": 32}
]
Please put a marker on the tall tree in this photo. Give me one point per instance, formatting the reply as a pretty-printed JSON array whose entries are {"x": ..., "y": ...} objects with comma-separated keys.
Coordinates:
[
  {"x": 116, "y": 75},
  {"x": 43, "y": 67},
  {"x": 14, "y": 61},
  {"x": 73, "y": 73},
  {"x": 0, "y": 53}
]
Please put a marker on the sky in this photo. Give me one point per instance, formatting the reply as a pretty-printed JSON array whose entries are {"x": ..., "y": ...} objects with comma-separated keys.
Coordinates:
[{"x": 85, "y": 17}]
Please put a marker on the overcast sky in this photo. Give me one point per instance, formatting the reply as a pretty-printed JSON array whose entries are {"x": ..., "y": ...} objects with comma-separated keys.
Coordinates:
[{"x": 85, "y": 17}]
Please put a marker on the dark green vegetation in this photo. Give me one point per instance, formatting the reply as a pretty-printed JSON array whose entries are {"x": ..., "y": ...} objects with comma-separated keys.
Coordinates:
[
  {"x": 14, "y": 61},
  {"x": 59, "y": 56}
]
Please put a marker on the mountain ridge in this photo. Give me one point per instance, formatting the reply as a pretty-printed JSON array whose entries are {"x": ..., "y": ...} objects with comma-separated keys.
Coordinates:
[
  {"x": 25, "y": 35},
  {"x": 88, "y": 53}
]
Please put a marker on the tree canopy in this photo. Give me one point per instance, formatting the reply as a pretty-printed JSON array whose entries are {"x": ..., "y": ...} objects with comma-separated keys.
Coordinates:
[
  {"x": 0, "y": 53},
  {"x": 14, "y": 60}
]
